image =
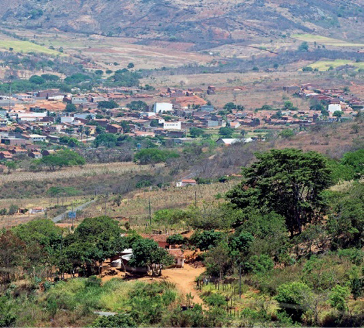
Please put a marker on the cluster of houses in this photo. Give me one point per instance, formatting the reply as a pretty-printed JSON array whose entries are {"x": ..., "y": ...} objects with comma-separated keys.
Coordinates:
[{"x": 26, "y": 120}]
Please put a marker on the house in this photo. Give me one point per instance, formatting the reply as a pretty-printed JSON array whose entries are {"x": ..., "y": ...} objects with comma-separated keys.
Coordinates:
[
  {"x": 162, "y": 108},
  {"x": 178, "y": 257},
  {"x": 114, "y": 128},
  {"x": 186, "y": 182},
  {"x": 172, "y": 125},
  {"x": 37, "y": 210},
  {"x": 35, "y": 154},
  {"x": 332, "y": 108},
  {"x": 6, "y": 155},
  {"x": 227, "y": 141},
  {"x": 37, "y": 138},
  {"x": 77, "y": 100}
]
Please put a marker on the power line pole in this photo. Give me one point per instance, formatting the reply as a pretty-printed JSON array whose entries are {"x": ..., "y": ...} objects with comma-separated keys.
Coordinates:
[
  {"x": 195, "y": 198},
  {"x": 106, "y": 198},
  {"x": 150, "y": 213}
]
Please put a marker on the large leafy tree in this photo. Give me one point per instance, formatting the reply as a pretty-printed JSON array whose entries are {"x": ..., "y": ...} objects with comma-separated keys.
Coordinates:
[
  {"x": 288, "y": 182},
  {"x": 146, "y": 252}
]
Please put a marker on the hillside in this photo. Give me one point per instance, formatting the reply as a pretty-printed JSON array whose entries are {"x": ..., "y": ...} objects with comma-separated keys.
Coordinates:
[{"x": 204, "y": 22}]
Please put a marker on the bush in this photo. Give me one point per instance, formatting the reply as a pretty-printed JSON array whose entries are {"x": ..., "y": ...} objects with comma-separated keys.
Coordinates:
[
  {"x": 216, "y": 300},
  {"x": 119, "y": 320},
  {"x": 154, "y": 156},
  {"x": 259, "y": 264}
]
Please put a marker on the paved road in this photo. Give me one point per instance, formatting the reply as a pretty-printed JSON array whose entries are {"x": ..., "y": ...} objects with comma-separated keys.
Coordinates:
[{"x": 78, "y": 208}]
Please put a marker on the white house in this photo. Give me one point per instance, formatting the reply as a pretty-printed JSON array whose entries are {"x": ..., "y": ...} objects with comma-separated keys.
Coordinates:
[
  {"x": 162, "y": 108},
  {"x": 37, "y": 137},
  {"x": 67, "y": 119},
  {"x": 332, "y": 108},
  {"x": 172, "y": 126},
  {"x": 186, "y": 182}
]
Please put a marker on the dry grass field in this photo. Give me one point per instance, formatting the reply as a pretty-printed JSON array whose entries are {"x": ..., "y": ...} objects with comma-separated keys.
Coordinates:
[
  {"x": 74, "y": 172},
  {"x": 135, "y": 205}
]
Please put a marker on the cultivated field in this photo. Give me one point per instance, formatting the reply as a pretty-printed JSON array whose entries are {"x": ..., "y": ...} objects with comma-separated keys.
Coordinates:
[
  {"x": 26, "y": 47},
  {"x": 325, "y": 40},
  {"x": 325, "y": 65}
]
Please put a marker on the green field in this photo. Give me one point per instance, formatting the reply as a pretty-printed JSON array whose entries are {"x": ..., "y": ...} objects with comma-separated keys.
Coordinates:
[
  {"x": 325, "y": 40},
  {"x": 26, "y": 47},
  {"x": 324, "y": 65}
]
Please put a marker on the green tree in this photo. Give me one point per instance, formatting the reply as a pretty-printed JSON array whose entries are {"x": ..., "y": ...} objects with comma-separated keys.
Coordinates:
[
  {"x": 293, "y": 299},
  {"x": 11, "y": 166},
  {"x": 229, "y": 106},
  {"x": 64, "y": 157},
  {"x": 303, "y": 47},
  {"x": 338, "y": 298},
  {"x": 176, "y": 239},
  {"x": 287, "y": 133},
  {"x": 205, "y": 239},
  {"x": 226, "y": 132},
  {"x": 119, "y": 320},
  {"x": 154, "y": 156},
  {"x": 288, "y": 182},
  {"x": 107, "y": 104},
  {"x": 36, "y": 79},
  {"x": 138, "y": 105},
  {"x": 70, "y": 108},
  {"x": 147, "y": 253},
  {"x": 196, "y": 132},
  {"x": 108, "y": 140}
]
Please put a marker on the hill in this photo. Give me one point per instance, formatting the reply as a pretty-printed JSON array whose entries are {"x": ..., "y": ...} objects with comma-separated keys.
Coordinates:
[{"x": 204, "y": 22}]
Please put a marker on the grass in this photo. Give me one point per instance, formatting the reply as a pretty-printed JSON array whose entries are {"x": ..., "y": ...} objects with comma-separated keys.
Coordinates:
[
  {"x": 325, "y": 40},
  {"x": 26, "y": 46},
  {"x": 324, "y": 65}
]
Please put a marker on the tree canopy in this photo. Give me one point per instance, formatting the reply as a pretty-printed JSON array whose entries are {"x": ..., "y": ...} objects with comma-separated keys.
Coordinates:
[{"x": 288, "y": 182}]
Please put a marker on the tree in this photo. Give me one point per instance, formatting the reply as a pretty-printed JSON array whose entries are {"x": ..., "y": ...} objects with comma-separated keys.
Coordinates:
[
  {"x": 338, "y": 114},
  {"x": 176, "y": 239},
  {"x": 355, "y": 160},
  {"x": 196, "y": 132},
  {"x": 130, "y": 65},
  {"x": 154, "y": 156},
  {"x": 292, "y": 298},
  {"x": 147, "y": 253},
  {"x": 346, "y": 222},
  {"x": 64, "y": 157},
  {"x": 287, "y": 133},
  {"x": 205, "y": 239},
  {"x": 288, "y": 182},
  {"x": 108, "y": 140},
  {"x": 36, "y": 79},
  {"x": 138, "y": 105},
  {"x": 11, "y": 166},
  {"x": 70, "y": 108},
  {"x": 99, "y": 72},
  {"x": 226, "y": 132},
  {"x": 303, "y": 47},
  {"x": 107, "y": 104},
  {"x": 218, "y": 260},
  {"x": 12, "y": 255},
  {"x": 229, "y": 106},
  {"x": 118, "y": 320},
  {"x": 338, "y": 298}
]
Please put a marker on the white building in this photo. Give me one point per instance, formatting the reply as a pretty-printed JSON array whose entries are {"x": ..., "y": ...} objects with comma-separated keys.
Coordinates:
[
  {"x": 333, "y": 108},
  {"x": 162, "y": 108},
  {"x": 172, "y": 126},
  {"x": 67, "y": 119},
  {"x": 37, "y": 137}
]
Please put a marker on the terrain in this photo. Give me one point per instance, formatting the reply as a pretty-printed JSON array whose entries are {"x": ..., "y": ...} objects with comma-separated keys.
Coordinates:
[{"x": 202, "y": 23}]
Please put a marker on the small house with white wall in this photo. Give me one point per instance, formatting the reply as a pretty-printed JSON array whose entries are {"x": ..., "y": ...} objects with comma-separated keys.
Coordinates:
[
  {"x": 162, "y": 108},
  {"x": 172, "y": 126}
]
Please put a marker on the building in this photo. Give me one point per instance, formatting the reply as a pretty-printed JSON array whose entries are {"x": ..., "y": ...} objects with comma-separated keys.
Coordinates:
[
  {"x": 186, "y": 182},
  {"x": 332, "y": 108},
  {"x": 172, "y": 126},
  {"x": 162, "y": 108},
  {"x": 37, "y": 138}
]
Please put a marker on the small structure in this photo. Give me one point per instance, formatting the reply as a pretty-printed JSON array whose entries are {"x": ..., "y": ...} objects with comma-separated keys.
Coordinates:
[
  {"x": 186, "y": 182},
  {"x": 178, "y": 257},
  {"x": 36, "y": 210}
]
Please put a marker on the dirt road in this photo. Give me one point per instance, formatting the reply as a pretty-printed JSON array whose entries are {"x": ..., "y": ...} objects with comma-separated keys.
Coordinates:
[{"x": 184, "y": 279}]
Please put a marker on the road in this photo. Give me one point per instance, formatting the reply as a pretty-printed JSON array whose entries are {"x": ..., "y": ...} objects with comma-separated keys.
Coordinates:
[{"x": 78, "y": 208}]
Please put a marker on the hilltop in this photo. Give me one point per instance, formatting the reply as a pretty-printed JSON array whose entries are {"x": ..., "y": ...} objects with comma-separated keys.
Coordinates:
[{"x": 204, "y": 22}]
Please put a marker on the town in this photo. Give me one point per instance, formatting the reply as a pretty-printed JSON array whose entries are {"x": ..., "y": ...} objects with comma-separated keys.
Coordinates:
[{"x": 35, "y": 124}]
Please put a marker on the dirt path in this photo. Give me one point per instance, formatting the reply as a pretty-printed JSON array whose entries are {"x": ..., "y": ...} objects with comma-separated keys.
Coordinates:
[{"x": 184, "y": 279}]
